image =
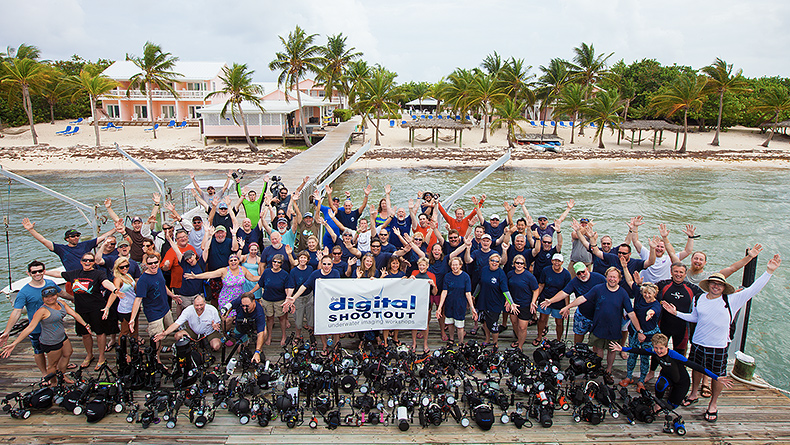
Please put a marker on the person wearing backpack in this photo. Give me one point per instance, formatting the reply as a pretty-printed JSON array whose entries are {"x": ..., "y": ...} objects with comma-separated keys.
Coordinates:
[{"x": 713, "y": 312}]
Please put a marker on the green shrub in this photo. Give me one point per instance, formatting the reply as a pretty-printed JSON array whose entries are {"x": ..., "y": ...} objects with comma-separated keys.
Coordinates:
[{"x": 343, "y": 114}]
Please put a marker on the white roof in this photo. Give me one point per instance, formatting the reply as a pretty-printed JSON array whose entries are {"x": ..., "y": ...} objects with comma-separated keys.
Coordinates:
[
  {"x": 125, "y": 69},
  {"x": 270, "y": 106},
  {"x": 426, "y": 101}
]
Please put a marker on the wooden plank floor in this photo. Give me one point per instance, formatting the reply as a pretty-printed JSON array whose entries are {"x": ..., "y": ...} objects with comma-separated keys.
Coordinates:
[{"x": 747, "y": 415}]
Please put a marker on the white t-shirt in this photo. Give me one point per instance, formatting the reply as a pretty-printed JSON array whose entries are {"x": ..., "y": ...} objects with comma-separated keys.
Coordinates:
[
  {"x": 713, "y": 318},
  {"x": 200, "y": 325},
  {"x": 660, "y": 270}
]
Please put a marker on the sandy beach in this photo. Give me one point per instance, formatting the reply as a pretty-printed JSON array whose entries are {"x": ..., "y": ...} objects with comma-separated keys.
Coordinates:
[{"x": 183, "y": 150}]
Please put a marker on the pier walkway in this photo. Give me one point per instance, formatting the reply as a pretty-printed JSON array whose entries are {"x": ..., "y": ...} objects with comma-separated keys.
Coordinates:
[{"x": 317, "y": 162}]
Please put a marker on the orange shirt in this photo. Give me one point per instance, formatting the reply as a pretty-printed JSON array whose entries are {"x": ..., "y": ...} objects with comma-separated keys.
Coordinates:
[
  {"x": 461, "y": 226},
  {"x": 176, "y": 272}
]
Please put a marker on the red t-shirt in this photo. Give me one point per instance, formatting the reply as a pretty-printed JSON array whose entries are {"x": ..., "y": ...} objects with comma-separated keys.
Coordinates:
[{"x": 176, "y": 272}]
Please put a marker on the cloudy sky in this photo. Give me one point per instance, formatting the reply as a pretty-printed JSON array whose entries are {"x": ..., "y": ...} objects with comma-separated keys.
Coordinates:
[{"x": 420, "y": 40}]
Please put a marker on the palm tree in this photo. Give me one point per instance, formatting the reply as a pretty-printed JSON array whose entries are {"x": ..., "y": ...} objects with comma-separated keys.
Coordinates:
[
  {"x": 587, "y": 68},
  {"x": 237, "y": 85},
  {"x": 457, "y": 91},
  {"x": 357, "y": 72},
  {"x": 421, "y": 90},
  {"x": 155, "y": 70},
  {"x": 23, "y": 52},
  {"x": 486, "y": 90},
  {"x": 92, "y": 82},
  {"x": 686, "y": 93},
  {"x": 492, "y": 64},
  {"x": 55, "y": 89},
  {"x": 508, "y": 113},
  {"x": 378, "y": 94},
  {"x": 720, "y": 81},
  {"x": 603, "y": 110},
  {"x": 571, "y": 102},
  {"x": 776, "y": 101},
  {"x": 518, "y": 80},
  {"x": 334, "y": 60},
  {"x": 554, "y": 78},
  {"x": 299, "y": 57},
  {"x": 25, "y": 75}
]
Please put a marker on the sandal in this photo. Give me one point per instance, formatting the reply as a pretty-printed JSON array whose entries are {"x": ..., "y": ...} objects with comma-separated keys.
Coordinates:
[
  {"x": 71, "y": 366},
  {"x": 473, "y": 331},
  {"x": 85, "y": 365},
  {"x": 537, "y": 342},
  {"x": 688, "y": 402},
  {"x": 711, "y": 416},
  {"x": 514, "y": 345},
  {"x": 110, "y": 346},
  {"x": 445, "y": 337},
  {"x": 626, "y": 381},
  {"x": 704, "y": 391},
  {"x": 419, "y": 335},
  {"x": 99, "y": 365},
  {"x": 426, "y": 350}
]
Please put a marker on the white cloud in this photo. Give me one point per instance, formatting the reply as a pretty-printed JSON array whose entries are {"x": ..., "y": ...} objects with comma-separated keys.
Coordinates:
[{"x": 419, "y": 40}]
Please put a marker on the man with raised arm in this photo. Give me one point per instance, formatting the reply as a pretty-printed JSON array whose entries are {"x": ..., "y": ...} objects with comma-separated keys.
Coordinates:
[
  {"x": 137, "y": 232},
  {"x": 71, "y": 252}
]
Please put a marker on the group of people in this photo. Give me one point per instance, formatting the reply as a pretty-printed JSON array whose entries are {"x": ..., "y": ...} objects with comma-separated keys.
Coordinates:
[{"x": 252, "y": 259}]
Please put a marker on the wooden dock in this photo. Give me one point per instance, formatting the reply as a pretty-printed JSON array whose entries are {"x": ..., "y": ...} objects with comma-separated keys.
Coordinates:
[
  {"x": 747, "y": 415},
  {"x": 317, "y": 162}
]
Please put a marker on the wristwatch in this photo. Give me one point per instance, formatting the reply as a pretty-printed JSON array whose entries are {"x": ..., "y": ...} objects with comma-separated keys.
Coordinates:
[{"x": 640, "y": 331}]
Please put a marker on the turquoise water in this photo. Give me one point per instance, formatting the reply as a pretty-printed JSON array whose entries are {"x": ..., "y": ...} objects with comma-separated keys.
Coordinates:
[{"x": 732, "y": 208}]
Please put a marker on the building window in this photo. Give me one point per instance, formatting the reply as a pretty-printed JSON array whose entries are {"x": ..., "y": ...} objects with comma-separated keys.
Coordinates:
[
  {"x": 168, "y": 111},
  {"x": 193, "y": 111},
  {"x": 196, "y": 86},
  {"x": 141, "y": 111},
  {"x": 114, "y": 111}
]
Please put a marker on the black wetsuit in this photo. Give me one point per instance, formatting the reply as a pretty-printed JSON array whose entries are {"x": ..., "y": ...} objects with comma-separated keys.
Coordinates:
[{"x": 673, "y": 376}]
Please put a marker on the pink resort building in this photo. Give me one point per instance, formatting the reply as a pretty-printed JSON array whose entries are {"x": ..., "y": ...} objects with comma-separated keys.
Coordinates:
[{"x": 196, "y": 80}]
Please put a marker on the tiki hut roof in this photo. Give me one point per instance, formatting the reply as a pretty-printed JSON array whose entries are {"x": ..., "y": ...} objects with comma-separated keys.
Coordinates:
[
  {"x": 777, "y": 125},
  {"x": 444, "y": 124},
  {"x": 651, "y": 125}
]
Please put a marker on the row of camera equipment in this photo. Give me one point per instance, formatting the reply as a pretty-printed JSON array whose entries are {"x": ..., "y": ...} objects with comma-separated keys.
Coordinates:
[{"x": 461, "y": 384}]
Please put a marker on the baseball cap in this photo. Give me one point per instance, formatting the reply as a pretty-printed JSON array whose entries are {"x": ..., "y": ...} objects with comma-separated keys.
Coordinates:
[
  {"x": 335, "y": 198},
  {"x": 542, "y": 217},
  {"x": 308, "y": 214},
  {"x": 123, "y": 243},
  {"x": 137, "y": 219},
  {"x": 197, "y": 218},
  {"x": 584, "y": 220},
  {"x": 220, "y": 228},
  {"x": 578, "y": 267},
  {"x": 222, "y": 205},
  {"x": 495, "y": 216},
  {"x": 71, "y": 232},
  {"x": 558, "y": 256},
  {"x": 188, "y": 254},
  {"x": 485, "y": 235},
  {"x": 282, "y": 220}
]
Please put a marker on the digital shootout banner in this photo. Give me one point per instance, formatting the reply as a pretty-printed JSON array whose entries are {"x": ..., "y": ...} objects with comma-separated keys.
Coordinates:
[{"x": 351, "y": 305}]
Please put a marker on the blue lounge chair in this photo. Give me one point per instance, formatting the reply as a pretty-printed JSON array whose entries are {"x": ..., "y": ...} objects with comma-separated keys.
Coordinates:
[
  {"x": 403, "y": 122},
  {"x": 115, "y": 127},
  {"x": 422, "y": 116},
  {"x": 562, "y": 124},
  {"x": 74, "y": 131},
  {"x": 542, "y": 123},
  {"x": 552, "y": 123},
  {"x": 78, "y": 121},
  {"x": 392, "y": 123},
  {"x": 68, "y": 129},
  {"x": 107, "y": 127},
  {"x": 592, "y": 124},
  {"x": 183, "y": 124},
  {"x": 155, "y": 127},
  {"x": 171, "y": 124},
  {"x": 430, "y": 116}
]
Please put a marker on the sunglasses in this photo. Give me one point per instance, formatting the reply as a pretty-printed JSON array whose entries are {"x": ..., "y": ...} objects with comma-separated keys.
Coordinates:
[
  {"x": 33, "y": 272},
  {"x": 520, "y": 263},
  {"x": 150, "y": 263},
  {"x": 125, "y": 266},
  {"x": 623, "y": 253},
  {"x": 87, "y": 260},
  {"x": 275, "y": 262}
]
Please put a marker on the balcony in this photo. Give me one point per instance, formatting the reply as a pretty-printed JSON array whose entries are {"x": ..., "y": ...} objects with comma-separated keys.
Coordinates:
[{"x": 156, "y": 94}]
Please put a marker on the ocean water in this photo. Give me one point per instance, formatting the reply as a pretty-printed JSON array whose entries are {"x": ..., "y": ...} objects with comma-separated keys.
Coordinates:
[{"x": 732, "y": 208}]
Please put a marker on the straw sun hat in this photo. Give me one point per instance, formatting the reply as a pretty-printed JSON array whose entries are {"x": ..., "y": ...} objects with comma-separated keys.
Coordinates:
[{"x": 718, "y": 278}]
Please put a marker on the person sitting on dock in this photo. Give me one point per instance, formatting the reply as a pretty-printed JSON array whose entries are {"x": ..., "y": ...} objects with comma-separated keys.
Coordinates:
[
  {"x": 713, "y": 312},
  {"x": 29, "y": 298},
  {"x": 71, "y": 252},
  {"x": 200, "y": 321}
]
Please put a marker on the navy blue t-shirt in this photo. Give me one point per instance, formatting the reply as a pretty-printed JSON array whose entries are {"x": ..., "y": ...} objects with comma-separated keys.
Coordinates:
[
  {"x": 269, "y": 252},
  {"x": 298, "y": 277},
  {"x": 404, "y": 227},
  {"x": 543, "y": 259},
  {"x": 455, "y": 302},
  {"x": 71, "y": 256},
  {"x": 553, "y": 282},
  {"x": 495, "y": 232},
  {"x": 641, "y": 307},
  {"x": 191, "y": 287},
  {"x": 258, "y": 316},
  {"x": 522, "y": 286},
  {"x": 440, "y": 269},
  {"x": 634, "y": 265},
  {"x": 218, "y": 254},
  {"x": 493, "y": 285},
  {"x": 580, "y": 288},
  {"x": 273, "y": 284},
  {"x": 318, "y": 274},
  {"x": 389, "y": 247},
  {"x": 511, "y": 254},
  {"x": 151, "y": 289},
  {"x": 608, "y": 310},
  {"x": 382, "y": 259},
  {"x": 255, "y": 236},
  {"x": 341, "y": 268},
  {"x": 349, "y": 220}
]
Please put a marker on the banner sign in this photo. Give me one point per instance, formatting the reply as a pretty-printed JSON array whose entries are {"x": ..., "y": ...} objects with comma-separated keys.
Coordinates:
[{"x": 353, "y": 305}]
